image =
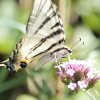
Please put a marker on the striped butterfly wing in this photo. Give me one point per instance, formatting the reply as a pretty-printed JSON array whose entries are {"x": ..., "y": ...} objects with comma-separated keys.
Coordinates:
[
  {"x": 45, "y": 38},
  {"x": 45, "y": 33}
]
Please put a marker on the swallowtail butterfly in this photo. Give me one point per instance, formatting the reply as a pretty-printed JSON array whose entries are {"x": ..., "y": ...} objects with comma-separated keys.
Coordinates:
[{"x": 45, "y": 38}]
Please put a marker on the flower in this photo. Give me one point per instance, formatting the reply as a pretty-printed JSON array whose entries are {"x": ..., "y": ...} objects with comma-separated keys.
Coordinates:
[
  {"x": 70, "y": 72},
  {"x": 72, "y": 86},
  {"x": 82, "y": 84},
  {"x": 78, "y": 74}
]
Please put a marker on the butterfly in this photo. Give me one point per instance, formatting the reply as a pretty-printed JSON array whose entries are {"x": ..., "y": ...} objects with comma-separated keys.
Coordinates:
[{"x": 44, "y": 39}]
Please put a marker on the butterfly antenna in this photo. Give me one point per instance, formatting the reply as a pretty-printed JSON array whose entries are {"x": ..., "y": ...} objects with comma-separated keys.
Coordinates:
[
  {"x": 77, "y": 43},
  {"x": 3, "y": 64}
]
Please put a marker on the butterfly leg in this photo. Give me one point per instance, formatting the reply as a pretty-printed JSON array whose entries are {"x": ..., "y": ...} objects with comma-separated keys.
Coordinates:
[
  {"x": 68, "y": 56},
  {"x": 57, "y": 62}
]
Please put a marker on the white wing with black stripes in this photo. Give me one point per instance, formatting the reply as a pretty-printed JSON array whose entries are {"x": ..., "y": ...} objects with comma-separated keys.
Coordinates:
[
  {"x": 45, "y": 36},
  {"x": 45, "y": 33}
]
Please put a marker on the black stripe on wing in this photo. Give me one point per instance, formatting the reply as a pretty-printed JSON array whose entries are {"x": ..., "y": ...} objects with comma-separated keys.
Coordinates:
[
  {"x": 57, "y": 24},
  {"x": 40, "y": 8},
  {"x": 59, "y": 49},
  {"x": 49, "y": 48},
  {"x": 56, "y": 16},
  {"x": 48, "y": 17},
  {"x": 35, "y": 15},
  {"x": 45, "y": 21},
  {"x": 59, "y": 31}
]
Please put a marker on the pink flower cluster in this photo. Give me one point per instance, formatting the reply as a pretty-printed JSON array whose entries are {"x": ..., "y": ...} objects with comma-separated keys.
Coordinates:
[{"x": 77, "y": 74}]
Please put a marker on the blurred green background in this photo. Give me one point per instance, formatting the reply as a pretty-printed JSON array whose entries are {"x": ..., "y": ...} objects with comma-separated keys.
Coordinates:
[{"x": 81, "y": 19}]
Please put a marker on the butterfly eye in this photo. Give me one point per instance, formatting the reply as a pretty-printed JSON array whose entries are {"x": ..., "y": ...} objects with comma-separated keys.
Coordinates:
[
  {"x": 69, "y": 51},
  {"x": 23, "y": 64}
]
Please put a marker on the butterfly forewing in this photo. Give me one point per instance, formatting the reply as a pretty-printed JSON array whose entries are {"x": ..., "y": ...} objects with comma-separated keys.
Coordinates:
[
  {"x": 45, "y": 36},
  {"x": 44, "y": 31}
]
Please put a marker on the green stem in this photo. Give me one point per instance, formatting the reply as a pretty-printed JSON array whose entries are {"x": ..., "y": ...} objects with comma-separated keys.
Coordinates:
[
  {"x": 90, "y": 95},
  {"x": 93, "y": 94}
]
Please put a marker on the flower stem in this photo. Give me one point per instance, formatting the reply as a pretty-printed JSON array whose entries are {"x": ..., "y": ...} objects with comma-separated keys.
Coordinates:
[
  {"x": 59, "y": 89},
  {"x": 90, "y": 95},
  {"x": 93, "y": 94}
]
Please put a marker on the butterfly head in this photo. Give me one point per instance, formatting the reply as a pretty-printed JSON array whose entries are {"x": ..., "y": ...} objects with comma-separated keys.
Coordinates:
[
  {"x": 10, "y": 66},
  {"x": 15, "y": 62},
  {"x": 69, "y": 51},
  {"x": 14, "y": 67}
]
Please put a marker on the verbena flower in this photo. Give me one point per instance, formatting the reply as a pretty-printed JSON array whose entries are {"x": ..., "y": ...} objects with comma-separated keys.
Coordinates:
[{"x": 78, "y": 74}]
